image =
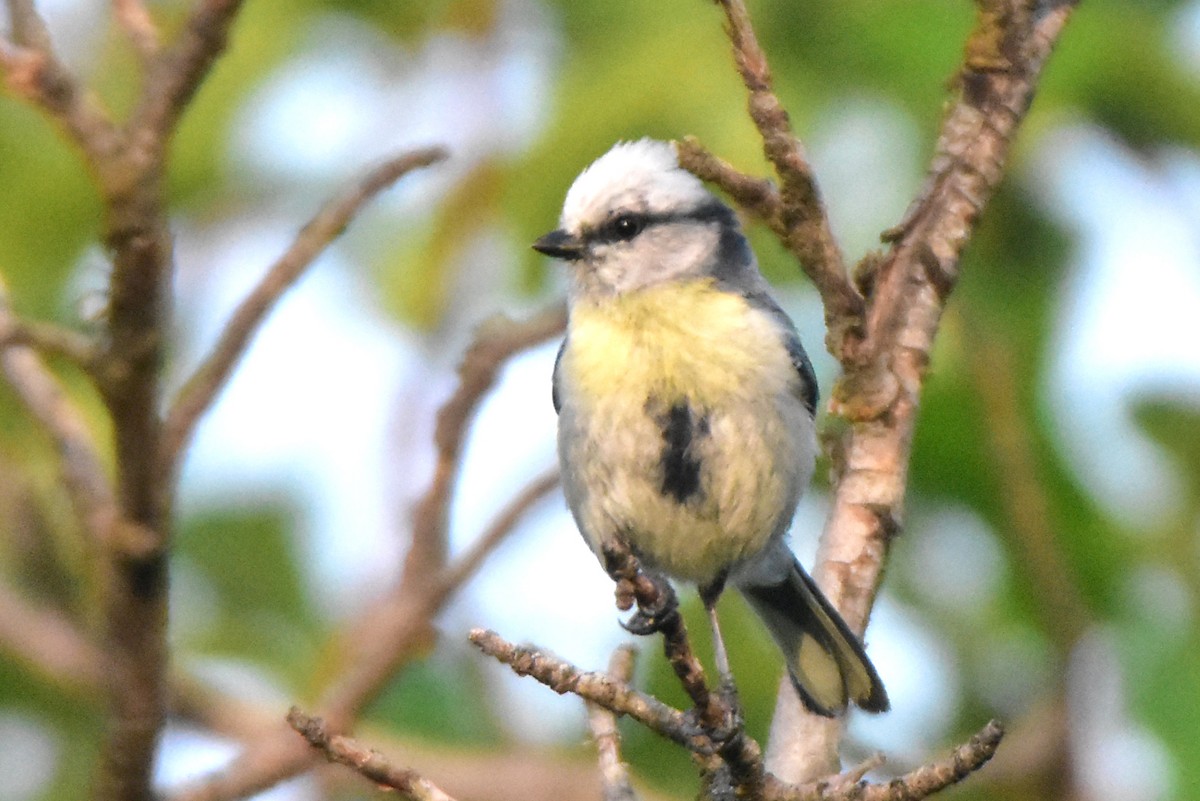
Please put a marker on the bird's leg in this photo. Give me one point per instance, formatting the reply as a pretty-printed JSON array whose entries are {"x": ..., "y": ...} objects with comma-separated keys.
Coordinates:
[
  {"x": 722, "y": 657},
  {"x": 709, "y": 595}
]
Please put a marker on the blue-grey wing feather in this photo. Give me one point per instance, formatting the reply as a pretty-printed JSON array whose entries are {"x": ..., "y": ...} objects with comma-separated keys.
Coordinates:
[
  {"x": 808, "y": 379},
  {"x": 555, "y": 396},
  {"x": 806, "y": 389}
]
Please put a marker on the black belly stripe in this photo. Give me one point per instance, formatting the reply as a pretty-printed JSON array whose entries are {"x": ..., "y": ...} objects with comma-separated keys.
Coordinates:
[{"x": 680, "y": 466}]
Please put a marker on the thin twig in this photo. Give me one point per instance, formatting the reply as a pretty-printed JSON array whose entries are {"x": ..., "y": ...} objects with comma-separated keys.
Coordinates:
[
  {"x": 135, "y": 20},
  {"x": 495, "y": 341},
  {"x": 614, "y": 774},
  {"x": 598, "y": 688},
  {"x": 936, "y": 776},
  {"x": 177, "y": 72},
  {"x": 656, "y": 600},
  {"x": 202, "y": 388},
  {"x": 33, "y": 71},
  {"x": 802, "y": 213},
  {"x": 757, "y": 195},
  {"x": 466, "y": 565},
  {"x": 912, "y": 786},
  {"x": 49, "y": 643},
  {"x": 52, "y": 340},
  {"x": 366, "y": 761},
  {"x": 84, "y": 474}
]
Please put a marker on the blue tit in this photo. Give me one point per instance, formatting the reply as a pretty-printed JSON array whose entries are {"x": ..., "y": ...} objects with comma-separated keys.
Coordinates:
[{"x": 686, "y": 408}]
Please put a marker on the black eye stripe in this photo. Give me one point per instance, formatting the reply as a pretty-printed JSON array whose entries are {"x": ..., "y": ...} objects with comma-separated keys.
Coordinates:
[{"x": 625, "y": 226}]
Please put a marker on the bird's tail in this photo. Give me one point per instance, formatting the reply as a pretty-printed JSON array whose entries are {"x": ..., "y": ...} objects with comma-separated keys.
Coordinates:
[{"x": 827, "y": 663}]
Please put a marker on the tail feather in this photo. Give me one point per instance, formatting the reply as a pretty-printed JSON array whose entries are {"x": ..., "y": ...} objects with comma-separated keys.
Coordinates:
[{"x": 826, "y": 661}]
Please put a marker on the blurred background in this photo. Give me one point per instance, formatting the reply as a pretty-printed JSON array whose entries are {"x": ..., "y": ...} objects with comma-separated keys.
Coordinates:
[{"x": 1049, "y": 569}]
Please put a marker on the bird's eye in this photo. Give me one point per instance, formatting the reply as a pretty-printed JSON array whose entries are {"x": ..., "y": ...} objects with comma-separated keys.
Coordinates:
[{"x": 627, "y": 226}]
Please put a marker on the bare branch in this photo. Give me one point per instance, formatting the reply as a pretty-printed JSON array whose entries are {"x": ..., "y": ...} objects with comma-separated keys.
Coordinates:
[
  {"x": 368, "y": 762},
  {"x": 177, "y": 73},
  {"x": 199, "y": 392},
  {"x": 936, "y": 776},
  {"x": 598, "y": 688},
  {"x": 802, "y": 214},
  {"x": 603, "y": 724},
  {"x": 135, "y": 20},
  {"x": 52, "y": 340},
  {"x": 49, "y": 643},
  {"x": 84, "y": 474},
  {"x": 757, "y": 195},
  {"x": 656, "y": 600},
  {"x": 496, "y": 340},
  {"x": 457, "y": 573},
  {"x": 913, "y": 786},
  {"x": 392, "y": 631},
  {"x": 32, "y": 71},
  {"x": 879, "y": 393}
]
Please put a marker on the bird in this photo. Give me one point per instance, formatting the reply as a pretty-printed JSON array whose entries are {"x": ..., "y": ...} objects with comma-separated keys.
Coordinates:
[{"x": 686, "y": 409}]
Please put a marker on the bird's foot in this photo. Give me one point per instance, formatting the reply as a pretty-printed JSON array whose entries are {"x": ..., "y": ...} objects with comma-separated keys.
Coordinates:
[
  {"x": 649, "y": 618},
  {"x": 728, "y": 693},
  {"x": 718, "y": 724}
]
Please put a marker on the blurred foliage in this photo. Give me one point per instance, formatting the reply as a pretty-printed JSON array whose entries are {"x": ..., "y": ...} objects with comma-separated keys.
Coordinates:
[{"x": 626, "y": 69}]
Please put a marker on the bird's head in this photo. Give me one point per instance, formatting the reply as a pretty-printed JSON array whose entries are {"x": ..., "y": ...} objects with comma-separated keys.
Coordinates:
[{"x": 634, "y": 218}]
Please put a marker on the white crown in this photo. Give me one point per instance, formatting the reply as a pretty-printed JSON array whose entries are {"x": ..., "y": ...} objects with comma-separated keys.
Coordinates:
[{"x": 644, "y": 174}]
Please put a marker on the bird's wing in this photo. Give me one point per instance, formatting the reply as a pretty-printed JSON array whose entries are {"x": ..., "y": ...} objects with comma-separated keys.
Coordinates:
[
  {"x": 555, "y": 397},
  {"x": 806, "y": 389}
]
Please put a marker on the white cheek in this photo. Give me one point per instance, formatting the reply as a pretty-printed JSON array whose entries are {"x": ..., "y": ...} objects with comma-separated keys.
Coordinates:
[{"x": 611, "y": 270}]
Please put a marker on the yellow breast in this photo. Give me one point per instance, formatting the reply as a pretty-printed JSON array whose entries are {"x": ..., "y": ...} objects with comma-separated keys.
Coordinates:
[{"x": 672, "y": 341}]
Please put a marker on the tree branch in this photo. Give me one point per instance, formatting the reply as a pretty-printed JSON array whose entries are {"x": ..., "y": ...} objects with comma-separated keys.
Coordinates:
[
  {"x": 913, "y": 786},
  {"x": 597, "y": 688},
  {"x": 757, "y": 195},
  {"x": 34, "y": 72},
  {"x": 49, "y": 643},
  {"x": 802, "y": 220},
  {"x": 656, "y": 600},
  {"x": 719, "y": 714},
  {"x": 714, "y": 731},
  {"x": 460, "y": 570},
  {"x": 84, "y": 474},
  {"x": 202, "y": 388},
  {"x": 373, "y": 765},
  {"x": 884, "y": 345},
  {"x": 496, "y": 340},
  {"x": 936, "y": 776},
  {"x": 602, "y": 722},
  {"x": 177, "y": 72},
  {"x": 135, "y": 20},
  {"x": 399, "y": 625},
  {"x": 52, "y": 340}
]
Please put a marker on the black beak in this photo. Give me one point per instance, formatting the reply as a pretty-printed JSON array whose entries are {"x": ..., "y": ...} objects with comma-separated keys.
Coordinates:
[{"x": 560, "y": 245}]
